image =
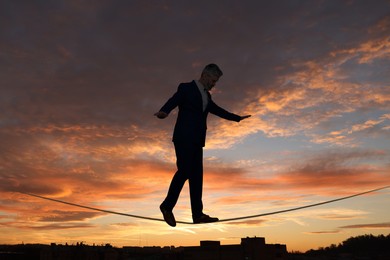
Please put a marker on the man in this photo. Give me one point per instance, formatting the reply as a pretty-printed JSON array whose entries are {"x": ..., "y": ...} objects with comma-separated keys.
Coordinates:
[{"x": 194, "y": 102}]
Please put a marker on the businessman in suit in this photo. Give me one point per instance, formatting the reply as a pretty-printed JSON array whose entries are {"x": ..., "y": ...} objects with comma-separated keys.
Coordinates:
[{"x": 194, "y": 102}]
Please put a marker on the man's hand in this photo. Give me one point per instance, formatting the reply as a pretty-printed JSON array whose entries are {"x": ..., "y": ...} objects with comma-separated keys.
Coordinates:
[
  {"x": 161, "y": 114},
  {"x": 244, "y": 117}
]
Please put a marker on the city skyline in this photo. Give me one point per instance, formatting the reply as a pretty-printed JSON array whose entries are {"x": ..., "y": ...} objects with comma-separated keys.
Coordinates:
[{"x": 80, "y": 82}]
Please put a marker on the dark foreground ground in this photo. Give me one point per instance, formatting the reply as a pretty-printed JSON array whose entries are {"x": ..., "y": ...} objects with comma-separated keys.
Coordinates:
[{"x": 365, "y": 247}]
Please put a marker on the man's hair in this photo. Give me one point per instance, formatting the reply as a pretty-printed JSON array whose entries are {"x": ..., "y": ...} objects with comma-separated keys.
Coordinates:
[{"x": 212, "y": 69}]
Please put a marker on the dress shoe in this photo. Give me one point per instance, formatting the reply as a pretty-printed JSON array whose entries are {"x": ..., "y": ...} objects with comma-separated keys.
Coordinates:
[
  {"x": 168, "y": 216},
  {"x": 204, "y": 219}
]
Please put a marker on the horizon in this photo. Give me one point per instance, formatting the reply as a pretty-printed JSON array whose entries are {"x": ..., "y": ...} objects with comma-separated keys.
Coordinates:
[
  {"x": 83, "y": 243},
  {"x": 80, "y": 83}
]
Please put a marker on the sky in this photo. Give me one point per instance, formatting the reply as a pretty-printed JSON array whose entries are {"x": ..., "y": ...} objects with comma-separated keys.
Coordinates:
[{"x": 81, "y": 80}]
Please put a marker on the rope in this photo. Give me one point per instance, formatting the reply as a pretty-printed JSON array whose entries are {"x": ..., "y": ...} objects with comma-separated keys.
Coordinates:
[
  {"x": 303, "y": 207},
  {"x": 97, "y": 209},
  {"x": 221, "y": 220}
]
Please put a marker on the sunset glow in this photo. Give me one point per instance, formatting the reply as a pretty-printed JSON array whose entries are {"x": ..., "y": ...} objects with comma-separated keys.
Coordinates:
[{"x": 80, "y": 82}]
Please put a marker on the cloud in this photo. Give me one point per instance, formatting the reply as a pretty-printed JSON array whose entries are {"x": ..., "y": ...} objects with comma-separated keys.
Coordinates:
[
  {"x": 312, "y": 94},
  {"x": 65, "y": 216},
  {"x": 48, "y": 227},
  {"x": 339, "y": 214},
  {"x": 121, "y": 225},
  {"x": 248, "y": 223},
  {"x": 323, "y": 232},
  {"x": 368, "y": 226},
  {"x": 36, "y": 159},
  {"x": 327, "y": 168},
  {"x": 80, "y": 84},
  {"x": 351, "y": 135},
  {"x": 338, "y": 168}
]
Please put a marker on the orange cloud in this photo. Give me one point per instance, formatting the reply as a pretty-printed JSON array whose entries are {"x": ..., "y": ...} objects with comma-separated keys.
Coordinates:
[
  {"x": 324, "y": 170},
  {"x": 317, "y": 92},
  {"x": 368, "y": 226},
  {"x": 323, "y": 232},
  {"x": 339, "y": 214},
  {"x": 65, "y": 216},
  {"x": 248, "y": 223},
  {"x": 53, "y": 226}
]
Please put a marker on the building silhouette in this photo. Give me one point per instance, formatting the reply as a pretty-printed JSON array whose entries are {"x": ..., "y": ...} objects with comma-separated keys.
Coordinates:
[{"x": 251, "y": 248}]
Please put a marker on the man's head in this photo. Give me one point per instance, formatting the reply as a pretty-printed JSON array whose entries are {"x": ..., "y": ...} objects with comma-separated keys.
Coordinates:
[{"x": 210, "y": 75}]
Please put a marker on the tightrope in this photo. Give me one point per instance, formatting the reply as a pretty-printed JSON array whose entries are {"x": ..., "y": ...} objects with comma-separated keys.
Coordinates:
[{"x": 221, "y": 220}]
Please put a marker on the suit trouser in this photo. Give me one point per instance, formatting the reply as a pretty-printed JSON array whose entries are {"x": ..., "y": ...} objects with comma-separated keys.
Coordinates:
[{"x": 189, "y": 161}]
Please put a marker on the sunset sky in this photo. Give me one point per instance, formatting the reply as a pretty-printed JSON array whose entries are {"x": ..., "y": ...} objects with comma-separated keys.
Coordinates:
[{"x": 81, "y": 80}]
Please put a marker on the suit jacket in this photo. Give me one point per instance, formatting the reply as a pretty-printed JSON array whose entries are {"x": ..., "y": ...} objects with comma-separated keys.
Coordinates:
[{"x": 191, "y": 122}]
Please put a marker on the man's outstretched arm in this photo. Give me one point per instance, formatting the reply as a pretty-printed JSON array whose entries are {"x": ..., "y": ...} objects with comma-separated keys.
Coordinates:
[
  {"x": 161, "y": 114},
  {"x": 218, "y": 111},
  {"x": 171, "y": 103},
  {"x": 244, "y": 117}
]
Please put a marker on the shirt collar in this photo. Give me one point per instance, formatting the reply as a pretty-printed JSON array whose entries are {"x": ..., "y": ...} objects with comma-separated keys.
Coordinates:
[{"x": 200, "y": 85}]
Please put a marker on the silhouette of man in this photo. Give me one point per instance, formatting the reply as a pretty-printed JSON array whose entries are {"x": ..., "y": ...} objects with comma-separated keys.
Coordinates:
[{"x": 194, "y": 102}]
